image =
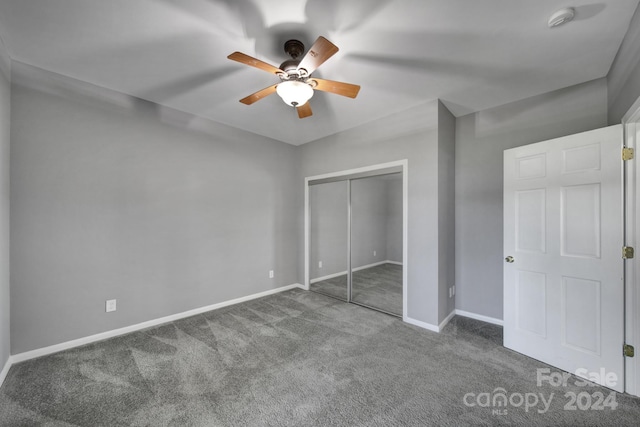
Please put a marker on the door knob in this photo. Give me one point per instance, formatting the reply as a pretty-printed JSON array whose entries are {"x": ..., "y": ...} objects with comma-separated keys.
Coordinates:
[{"x": 509, "y": 259}]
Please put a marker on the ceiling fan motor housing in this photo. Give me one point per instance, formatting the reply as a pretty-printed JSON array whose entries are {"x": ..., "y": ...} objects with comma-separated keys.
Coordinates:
[{"x": 294, "y": 48}]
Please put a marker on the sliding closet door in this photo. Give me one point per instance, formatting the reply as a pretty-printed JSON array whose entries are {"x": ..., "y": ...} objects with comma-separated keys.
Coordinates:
[
  {"x": 376, "y": 242},
  {"x": 328, "y": 238}
]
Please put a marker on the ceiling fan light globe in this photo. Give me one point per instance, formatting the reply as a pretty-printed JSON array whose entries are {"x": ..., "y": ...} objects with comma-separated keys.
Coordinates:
[{"x": 294, "y": 93}]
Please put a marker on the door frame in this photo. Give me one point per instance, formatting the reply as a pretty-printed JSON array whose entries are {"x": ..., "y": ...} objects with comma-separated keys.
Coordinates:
[
  {"x": 631, "y": 127},
  {"x": 361, "y": 172}
]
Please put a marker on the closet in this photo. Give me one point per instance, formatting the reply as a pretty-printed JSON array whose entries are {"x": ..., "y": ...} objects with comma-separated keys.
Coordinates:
[{"x": 355, "y": 239}]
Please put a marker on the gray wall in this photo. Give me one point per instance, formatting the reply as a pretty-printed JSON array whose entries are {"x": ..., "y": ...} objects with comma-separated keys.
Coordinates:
[
  {"x": 446, "y": 209},
  {"x": 408, "y": 135},
  {"x": 328, "y": 228},
  {"x": 480, "y": 140},
  {"x": 109, "y": 201},
  {"x": 113, "y": 202},
  {"x": 624, "y": 77},
  {"x": 5, "y": 108}
]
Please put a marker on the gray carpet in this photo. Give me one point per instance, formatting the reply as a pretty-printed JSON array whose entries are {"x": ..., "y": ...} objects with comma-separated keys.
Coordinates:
[
  {"x": 378, "y": 287},
  {"x": 292, "y": 359},
  {"x": 335, "y": 287}
]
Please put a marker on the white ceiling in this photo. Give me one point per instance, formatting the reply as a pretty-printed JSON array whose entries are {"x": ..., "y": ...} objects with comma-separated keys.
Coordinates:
[{"x": 471, "y": 54}]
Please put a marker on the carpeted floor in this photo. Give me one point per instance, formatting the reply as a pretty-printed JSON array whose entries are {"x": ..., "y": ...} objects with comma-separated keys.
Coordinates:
[
  {"x": 299, "y": 359},
  {"x": 378, "y": 287},
  {"x": 335, "y": 287}
]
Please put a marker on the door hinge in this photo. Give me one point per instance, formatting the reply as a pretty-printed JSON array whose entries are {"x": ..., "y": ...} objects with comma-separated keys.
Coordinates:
[
  {"x": 628, "y": 350},
  {"x": 627, "y": 252},
  {"x": 627, "y": 153}
]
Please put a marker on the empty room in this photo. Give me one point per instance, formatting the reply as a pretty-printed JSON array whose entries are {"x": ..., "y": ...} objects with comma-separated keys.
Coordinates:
[{"x": 319, "y": 213}]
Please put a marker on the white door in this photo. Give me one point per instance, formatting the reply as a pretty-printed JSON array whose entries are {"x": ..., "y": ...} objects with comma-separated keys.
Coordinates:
[{"x": 563, "y": 238}]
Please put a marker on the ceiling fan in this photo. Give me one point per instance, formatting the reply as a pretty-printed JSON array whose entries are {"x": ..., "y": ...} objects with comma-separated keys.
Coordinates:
[{"x": 296, "y": 85}]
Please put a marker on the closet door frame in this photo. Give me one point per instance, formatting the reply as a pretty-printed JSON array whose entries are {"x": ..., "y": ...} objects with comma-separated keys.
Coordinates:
[{"x": 363, "y": 172}]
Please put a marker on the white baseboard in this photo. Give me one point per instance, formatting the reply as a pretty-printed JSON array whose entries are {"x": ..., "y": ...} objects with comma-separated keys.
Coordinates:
[
  {"x": 421, "y": 324},
  {"x": 5, "y": 369},
  {"x": 487, "y": 319},
  {"x": 343, "y": 273},
  {"x": 375, "y": 264},
  {"x": 429, "y": 326},
  {"x": 328, "y": 276},
  {"x": 21, "y": 357},
  {"x": 446, "y": 320}
]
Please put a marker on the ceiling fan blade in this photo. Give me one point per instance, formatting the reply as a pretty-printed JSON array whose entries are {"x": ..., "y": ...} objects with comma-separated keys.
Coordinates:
[
  {"x": 321, "y": 50},
  {"x": 254, "y": 62},
  {"x": 339, "y": 88},
  {"x": 304, "y": 110},
  {"x": 254, "y": 97}
]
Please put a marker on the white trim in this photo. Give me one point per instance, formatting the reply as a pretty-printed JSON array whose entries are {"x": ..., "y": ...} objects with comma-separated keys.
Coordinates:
[
  {"x": 356, "y": 170},
  {"x": 446, "y": 320},
  {"x": 21, "y": 357},
  {"x": 306, "y": 282},
  {"x": 487, "y": 319},
  {"x": 633, "y": 115},
  {"x": 631, "y": 127},
  {"x": 342, "y": 273},
  {"x": 405, "y": 221},
  {"x": 349, "y": 242},
  {"x": 328, "y": 276},
  {"x": 405, "y": 238},
  {"x": 5, "y": 369},
  {"x": 421, "y": 324},
  {"x": 375, "y": 264}
]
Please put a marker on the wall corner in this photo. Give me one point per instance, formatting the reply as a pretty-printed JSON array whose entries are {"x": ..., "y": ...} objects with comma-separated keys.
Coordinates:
[{"x": 446, "y": 211}]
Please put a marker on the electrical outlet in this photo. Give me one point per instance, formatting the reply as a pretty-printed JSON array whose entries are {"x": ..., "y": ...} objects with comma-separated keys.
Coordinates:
[
  {"x": 110, "y": 305},
  {"x": 270, "y": 274},
  {"x": 374, "y": 253},
  {"x": 319, "y": 264}
]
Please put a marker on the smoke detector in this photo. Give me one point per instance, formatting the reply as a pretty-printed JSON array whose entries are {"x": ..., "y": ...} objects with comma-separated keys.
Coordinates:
[{"x": 562, "y": 16}]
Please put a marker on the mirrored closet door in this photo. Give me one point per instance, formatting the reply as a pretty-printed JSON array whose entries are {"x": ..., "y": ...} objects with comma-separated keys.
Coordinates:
[
  {"x": 328, "y": 238},
  {"x": 376, "y": 242},
  {"x": 356, "y": 240}
]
